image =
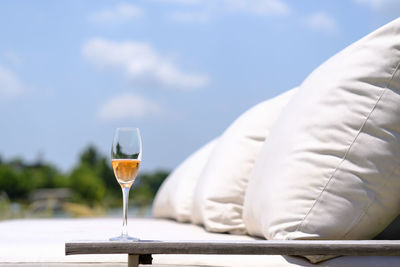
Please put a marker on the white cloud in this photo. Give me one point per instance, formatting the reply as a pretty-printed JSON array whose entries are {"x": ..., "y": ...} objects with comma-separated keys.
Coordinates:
[
  {"x": 10, "y": 84},
  {"x": 122, "y": 12},
  {"x": 190, "y": 16},
  {"x": 321, "y": 21},
  {"x": 127, "y": 106},
  {"x": 259, "y": 7},
  {"x": 141, "y": 64}
]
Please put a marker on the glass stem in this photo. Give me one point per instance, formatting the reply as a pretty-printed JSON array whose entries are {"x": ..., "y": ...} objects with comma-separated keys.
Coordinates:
[{"x": 125, "y": 196}]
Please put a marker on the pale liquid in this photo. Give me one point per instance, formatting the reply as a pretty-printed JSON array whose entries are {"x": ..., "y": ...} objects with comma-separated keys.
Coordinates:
[{"x": 125, "y": 170}]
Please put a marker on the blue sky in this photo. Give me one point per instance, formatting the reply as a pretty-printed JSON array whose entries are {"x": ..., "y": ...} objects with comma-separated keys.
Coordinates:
[{"x": 181, "y": 70}]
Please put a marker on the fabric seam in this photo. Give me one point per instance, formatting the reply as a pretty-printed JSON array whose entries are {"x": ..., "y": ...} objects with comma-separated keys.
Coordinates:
[
  {"x": 385, "y": 183},
  {"x": 347, "y": 152}
]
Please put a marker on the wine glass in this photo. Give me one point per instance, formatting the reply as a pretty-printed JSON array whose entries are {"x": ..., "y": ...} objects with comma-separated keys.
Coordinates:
[{"x": 126, "y": 155}]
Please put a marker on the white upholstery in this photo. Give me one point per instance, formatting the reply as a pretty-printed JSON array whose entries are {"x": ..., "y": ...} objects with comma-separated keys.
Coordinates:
[
  {"x": 38, "y": 242},
  {"x": 219, "y": 194},
  {"x": 175, "y": 197},
  {"x": 330, "y": 168}
]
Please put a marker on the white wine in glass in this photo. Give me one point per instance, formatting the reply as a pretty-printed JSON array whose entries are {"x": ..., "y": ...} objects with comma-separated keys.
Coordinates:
[{"x": 126, "y": 155}]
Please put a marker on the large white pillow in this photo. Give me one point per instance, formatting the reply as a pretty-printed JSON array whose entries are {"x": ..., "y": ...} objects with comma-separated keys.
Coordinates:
[
  {"x": 330, "y": 167},
  {"x": 175, "y": 196},
  {"x": 219, "y": 194}
]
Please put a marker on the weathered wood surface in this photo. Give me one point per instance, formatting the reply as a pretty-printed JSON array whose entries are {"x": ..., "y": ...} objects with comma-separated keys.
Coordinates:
[
  {"x": 261, "y": 247},
  {"x": 133, "y": 260}
]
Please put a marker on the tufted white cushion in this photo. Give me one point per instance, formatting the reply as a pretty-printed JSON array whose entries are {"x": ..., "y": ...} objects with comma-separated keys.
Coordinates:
[
  {"x": 174, "y": 198},
  {"x": 219, "y": 194},
  {"x": 330, "y": 167}
]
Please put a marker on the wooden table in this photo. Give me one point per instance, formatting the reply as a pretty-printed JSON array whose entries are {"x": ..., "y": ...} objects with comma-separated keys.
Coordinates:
[{"x": 141, "y": 251}]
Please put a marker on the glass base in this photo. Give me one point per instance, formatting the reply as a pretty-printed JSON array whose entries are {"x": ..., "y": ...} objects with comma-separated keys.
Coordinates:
[{"x": 124, "y": 238}]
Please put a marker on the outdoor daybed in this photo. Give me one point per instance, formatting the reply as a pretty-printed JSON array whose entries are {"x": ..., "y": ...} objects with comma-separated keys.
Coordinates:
[
  {"x": 41, "y": 242},
  {"x": 319, "y": 162}
]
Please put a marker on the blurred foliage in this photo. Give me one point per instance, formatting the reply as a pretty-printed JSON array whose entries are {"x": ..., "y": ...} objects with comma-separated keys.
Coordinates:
[
  {"x": 146, "y": 185},
  {"x": 86, "y": 184},
  {"x": 93, "y": 186}
]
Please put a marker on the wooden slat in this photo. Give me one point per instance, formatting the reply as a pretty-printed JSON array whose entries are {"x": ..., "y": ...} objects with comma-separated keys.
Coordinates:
[{"x": 262, "y": 247}]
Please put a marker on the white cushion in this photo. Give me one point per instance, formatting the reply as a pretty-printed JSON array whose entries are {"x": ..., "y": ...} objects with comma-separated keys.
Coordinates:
[
  {"x": 219, "y": 194},
  {"x": 174, "y": 198},
  {"x": 330, "y": 167}
]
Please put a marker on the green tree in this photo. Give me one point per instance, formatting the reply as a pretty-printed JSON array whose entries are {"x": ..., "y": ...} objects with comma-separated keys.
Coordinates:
[
  {"x": 87, "y": 185},
  {"x": 101, "y": 166},
  {"x": 94, "y": 168},
  {"x": 44, "y": 176},
  {"x": 92, "y": 180},
  {"x": 90, "y": 156},
  {"x": 13, "y": 183}
]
